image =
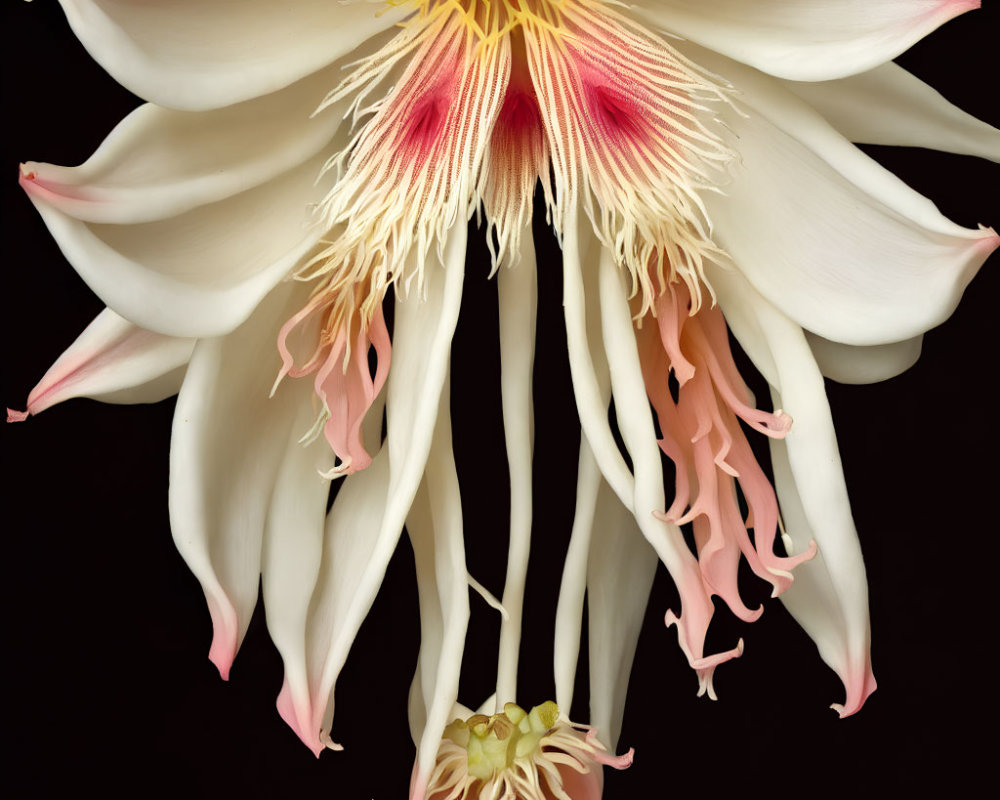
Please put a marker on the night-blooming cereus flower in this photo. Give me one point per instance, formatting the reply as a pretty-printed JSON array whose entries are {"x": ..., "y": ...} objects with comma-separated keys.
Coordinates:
[{"x": 299, "y": 160}]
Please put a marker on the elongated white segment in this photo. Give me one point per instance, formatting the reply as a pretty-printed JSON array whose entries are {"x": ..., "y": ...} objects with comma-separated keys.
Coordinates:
[
  {"x": 158, "y": 163},
  {"x": 620, "y": 574},
  {"x": 635, "y": 422},
  {"x": 518, "y": 301},
  {"x": 439, "y": 551},
  {"x": 367, "y": 517},
  {"x": 888, "y": 105},
  {"x": 293, "y": 555},
  {"x": 290, "y": 563},
  {"x": 221, "y": 478},
  {"x": 114, "y": 361},
  {"x": 589, "y": 370},
  {"x": 589, "y": 381},
  {"x": 573, "y": 586},
  {"x": 202, "y": 54},
  {"x": 829, "y": 596},
  {"x": 847, "y": 363},
  {"x": 208, "y": 268},
  {"x": 840, "y": 631},
  {"x": 802, "y": 39},
  {"x": 826, "y": 234}
]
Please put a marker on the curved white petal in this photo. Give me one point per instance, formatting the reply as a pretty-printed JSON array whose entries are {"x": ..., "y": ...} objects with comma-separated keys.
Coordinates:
[
  {"x": 803, "y": 39},
  {"x": 610, "y": 560},
  {"x": 888, "y": 105},
  {"x": 158, "y": 163},
  {"x": 292, "y": 548},
  {"x": 518, "y": 299},
  {"x": 206, "y": 268},
  {"x": 228, "y": 440},
  {"x": 367, "y": 517},
  {"x": 829, "y": 596},
  {"x": 847, "y": 363},
  {"x": 825, "y": 233},
  {"x": 620, "y": 575},
  {"x": 573, "y": 585},
  {"x": 201, "y": 54},
  {"x": 588, "y": 368},
  {"x": 435, "y": 528},
  {"x": 347, "y": 547},
  {"x": 116, "y": 362}
]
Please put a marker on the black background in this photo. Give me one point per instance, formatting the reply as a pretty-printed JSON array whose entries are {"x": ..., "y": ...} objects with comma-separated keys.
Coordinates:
[{"x": 105, "y": 632}]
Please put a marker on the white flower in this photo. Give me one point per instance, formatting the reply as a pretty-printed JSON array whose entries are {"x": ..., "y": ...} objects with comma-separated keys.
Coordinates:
[{"x": 186, "y": 224}]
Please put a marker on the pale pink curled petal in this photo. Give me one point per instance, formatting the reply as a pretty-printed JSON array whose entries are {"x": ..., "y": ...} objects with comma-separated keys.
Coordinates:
[
  {"x": 343, "y": 382},
  {"x": 201, "y": 54},
  {"x": 635, "y": 423},
  {"x": 825, "y": 233},
  {"x": 800, "y": 39},
  {"x": 888, "y": 105},
  {"x": 208, "y": 267},
  {"x": 367, "y": 517},
  {"x": 702, "y": 434},
  {"x": 829, "y": 596},
  {"x": 852, "y": 364},
  {"x": 116, "y": 362},
  {"x": 158, "y": 163},
  {"x": 674, "y": 441},
  {"x": 584, "y": 263},
  {"x": 220, "y": 477}
]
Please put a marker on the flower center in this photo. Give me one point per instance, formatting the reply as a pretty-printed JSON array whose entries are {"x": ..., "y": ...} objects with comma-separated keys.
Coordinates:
[{"x": 482, "y": 100}]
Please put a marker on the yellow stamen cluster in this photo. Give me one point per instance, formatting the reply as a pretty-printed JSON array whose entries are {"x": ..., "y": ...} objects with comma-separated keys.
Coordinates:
[{"x": 514, "y": 754}]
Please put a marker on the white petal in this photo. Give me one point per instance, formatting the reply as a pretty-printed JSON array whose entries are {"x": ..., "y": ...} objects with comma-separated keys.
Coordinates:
[
  {"x": 847, "y": 363},
  {"x": 888, "y": 105},
  {"x": 435, "y": 527},
  {"x": 802, "y": 39},
  {"x": 518, "y": 300},
  {"x": 292, "y": 551},
  {"x": 116, "y": 362},
  {"x": 610, "y": 560},
  {"x": 573, "y": 585},
  {"x": 228, "y": 440},
  {"x": 620, "y": 575},
  {"x": 349, "y": 547},
  {"x": 367, "y": 517},
  {"x": 833, "y": 239},
  {"x": 158, "y": 163},
  {"x": 588, "y": 367},
  {"x": 207, "y": 268},
  {"x": 201, "y": 54},
  {"x": 829, "y": 596}
]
